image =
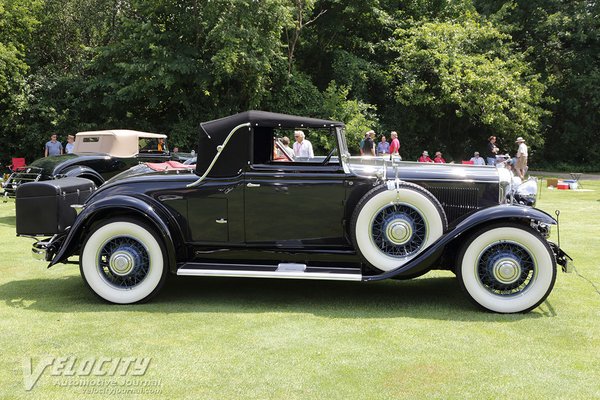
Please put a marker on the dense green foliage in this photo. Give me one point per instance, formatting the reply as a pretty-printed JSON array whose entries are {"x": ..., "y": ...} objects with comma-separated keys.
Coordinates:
[{"x": 445, "y": 75}]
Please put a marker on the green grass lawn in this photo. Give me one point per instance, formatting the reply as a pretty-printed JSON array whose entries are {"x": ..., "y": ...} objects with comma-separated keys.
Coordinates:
[{"x": 212, "y": 338}]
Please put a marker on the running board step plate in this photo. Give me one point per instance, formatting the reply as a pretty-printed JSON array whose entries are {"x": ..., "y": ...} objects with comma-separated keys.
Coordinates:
[{"x": 281, "y": 271}]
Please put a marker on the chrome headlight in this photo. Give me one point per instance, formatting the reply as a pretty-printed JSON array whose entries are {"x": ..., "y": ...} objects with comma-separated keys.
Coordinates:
[{"x": 505, "y": 179}]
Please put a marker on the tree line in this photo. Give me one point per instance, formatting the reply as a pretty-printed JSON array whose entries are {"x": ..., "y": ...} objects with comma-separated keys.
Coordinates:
[{"x": 444, "y": 74}]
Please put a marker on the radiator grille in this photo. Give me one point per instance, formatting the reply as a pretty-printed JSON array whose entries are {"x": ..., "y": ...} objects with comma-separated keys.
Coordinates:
[
  {"x": 21, "y": 175},
  {"x": 456, "y": 201}
]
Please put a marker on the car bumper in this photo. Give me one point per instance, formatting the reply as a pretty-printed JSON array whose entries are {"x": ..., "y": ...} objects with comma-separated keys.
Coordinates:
[
  {"x": 8, "y": 197},
  {"x": 44, "y": 250},
  {"x": 562, "y": 258}
]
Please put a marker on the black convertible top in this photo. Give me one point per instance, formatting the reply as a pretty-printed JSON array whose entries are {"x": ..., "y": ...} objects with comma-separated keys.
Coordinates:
[
  {"x": 218, "y": 129},
  {"x": 237, "y": 151}
]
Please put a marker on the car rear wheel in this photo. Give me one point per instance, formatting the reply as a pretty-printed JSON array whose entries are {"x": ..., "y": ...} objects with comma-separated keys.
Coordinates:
[
  {"x": 122, "y": 261},
  {"x": 506, "y": 268},
  {"x": 392, "y": 226}
]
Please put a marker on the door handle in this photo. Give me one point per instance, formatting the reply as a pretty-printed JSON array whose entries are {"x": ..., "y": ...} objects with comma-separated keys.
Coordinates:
[
  {"x": 253, "y": 185},
  {"x": 167, "y": 197}
]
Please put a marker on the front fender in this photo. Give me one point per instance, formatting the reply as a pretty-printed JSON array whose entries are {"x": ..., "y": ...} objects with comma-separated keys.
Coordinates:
[
  {"x": 463, "y": 227},
  {"x": 146, "y": 208}
]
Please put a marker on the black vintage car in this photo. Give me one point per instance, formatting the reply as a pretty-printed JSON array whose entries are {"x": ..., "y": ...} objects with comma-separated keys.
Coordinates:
[
  {"x": 97, "y": 155},
  {"x": 253, "y": 207}
]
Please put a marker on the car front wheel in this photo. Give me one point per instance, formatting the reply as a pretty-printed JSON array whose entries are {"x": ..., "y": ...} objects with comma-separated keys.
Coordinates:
[
  {"x": 507, "y": 268},
  {"x": 122, "y": 261}
]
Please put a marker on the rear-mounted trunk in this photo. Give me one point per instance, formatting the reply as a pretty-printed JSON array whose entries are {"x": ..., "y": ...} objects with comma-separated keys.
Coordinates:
[{"x": 44, "y": 208}]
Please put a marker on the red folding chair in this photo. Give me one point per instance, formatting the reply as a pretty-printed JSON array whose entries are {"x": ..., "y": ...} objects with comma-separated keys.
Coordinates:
[{"x": 17, "y": 162}]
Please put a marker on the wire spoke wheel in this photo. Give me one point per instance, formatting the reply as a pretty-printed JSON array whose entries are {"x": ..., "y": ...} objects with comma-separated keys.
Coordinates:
[
  {"x": 506, "y": 268},
  {"x": 392, "y": 225},
  {"x": 399, "y": 230},
  {"x": 124, "y": 262}
]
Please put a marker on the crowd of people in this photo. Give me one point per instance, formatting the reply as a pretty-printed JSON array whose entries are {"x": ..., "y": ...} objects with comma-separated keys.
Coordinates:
[
  {"x": 370, "y": 147},
  {"x": 383, "y": 147}
]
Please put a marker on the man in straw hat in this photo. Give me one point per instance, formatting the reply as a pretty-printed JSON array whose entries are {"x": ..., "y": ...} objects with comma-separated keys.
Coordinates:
[{"x": 521, "y": 166}]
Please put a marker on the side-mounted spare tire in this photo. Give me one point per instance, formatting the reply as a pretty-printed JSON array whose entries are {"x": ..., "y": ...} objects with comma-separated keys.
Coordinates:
[{"x": 391, "y": 226}]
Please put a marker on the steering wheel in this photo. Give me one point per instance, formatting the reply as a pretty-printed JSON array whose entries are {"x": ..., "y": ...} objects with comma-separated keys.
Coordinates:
[{"x": 326, "y": 160}]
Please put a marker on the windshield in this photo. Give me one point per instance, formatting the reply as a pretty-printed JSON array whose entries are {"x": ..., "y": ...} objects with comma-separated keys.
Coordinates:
[
  {"x": 343, "y": 144},
  {"x": 299, "y": 145},
  {"x": 152, "y": 145}
]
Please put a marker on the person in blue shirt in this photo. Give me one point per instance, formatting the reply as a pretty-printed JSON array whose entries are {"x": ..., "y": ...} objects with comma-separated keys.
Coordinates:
[
  {"x": 53, "y": 147},
  {"x": 383, "y": 147}
]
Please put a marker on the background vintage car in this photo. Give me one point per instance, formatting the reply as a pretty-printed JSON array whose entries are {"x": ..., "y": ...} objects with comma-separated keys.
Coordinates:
[
  {"x": 97, "y": 155},
  {"x": 242, "y": 213}
]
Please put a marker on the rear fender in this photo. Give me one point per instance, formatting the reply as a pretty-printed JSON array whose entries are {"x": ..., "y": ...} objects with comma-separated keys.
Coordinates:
[
  {"x": 463, "y": 228},
  {"x": 146, "y": 209},
  {"x": 80, "y": 170}
]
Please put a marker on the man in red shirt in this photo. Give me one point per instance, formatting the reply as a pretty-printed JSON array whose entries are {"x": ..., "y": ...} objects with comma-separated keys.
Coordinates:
[
  {"x": 425, "y": 157},
  {"x": 438, "y": 158},
  {"x": 395, "y": 144}
]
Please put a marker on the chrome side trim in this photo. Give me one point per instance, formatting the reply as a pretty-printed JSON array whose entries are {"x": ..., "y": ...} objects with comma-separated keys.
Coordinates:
[
  {"x": 291, "y": 267},
  {"x": 270, "y": 274},
  {"x": 219, "y": 150}
]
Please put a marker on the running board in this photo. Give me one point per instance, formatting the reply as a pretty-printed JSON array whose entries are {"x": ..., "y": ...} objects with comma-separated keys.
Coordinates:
[{"x": 280, "y": 271}]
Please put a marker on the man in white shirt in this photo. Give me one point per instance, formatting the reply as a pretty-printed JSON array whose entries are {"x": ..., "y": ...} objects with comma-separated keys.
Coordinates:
[
  {"x": 302, "y": 147},
  {"x": 521, "y": 166},
  {"x": 477, "y": 160}
]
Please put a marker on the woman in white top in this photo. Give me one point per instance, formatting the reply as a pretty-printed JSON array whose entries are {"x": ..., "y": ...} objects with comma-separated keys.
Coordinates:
[{"x": 70, "y": 145}]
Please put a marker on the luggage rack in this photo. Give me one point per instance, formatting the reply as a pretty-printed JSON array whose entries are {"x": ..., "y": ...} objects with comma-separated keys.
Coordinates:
[{"x": 20, "y": 176}]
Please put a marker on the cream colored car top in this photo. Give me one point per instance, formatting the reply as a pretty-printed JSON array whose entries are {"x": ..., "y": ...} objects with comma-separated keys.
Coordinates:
[{"x": 117, "y": 142}]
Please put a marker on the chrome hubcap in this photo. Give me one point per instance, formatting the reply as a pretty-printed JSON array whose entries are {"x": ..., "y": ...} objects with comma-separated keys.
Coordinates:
[
  {"x": 506, "y": 270},
  {"x": 399, "y": 231},
  {"x": 121, "y": 263}
]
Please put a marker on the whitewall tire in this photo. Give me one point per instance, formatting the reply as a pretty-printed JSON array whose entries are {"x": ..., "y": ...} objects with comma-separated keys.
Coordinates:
[
  {"x": 123, "y": 262},
  {"x": 507, "y": 268},
  {"x": 391, "y": 227}
]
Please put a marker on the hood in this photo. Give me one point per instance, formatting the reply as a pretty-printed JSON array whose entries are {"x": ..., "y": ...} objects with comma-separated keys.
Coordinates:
[{"x": 415, "y": 171}]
